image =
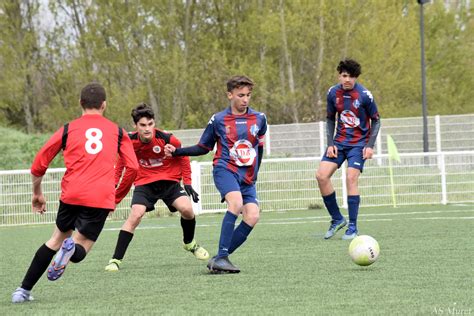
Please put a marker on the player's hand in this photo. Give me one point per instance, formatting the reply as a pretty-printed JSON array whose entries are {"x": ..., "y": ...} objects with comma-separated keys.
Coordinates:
[
  {"x": 38, "y": 203},
  {"x": 190, "y": 191},
  {"x": 367, "y": 153},
  {"x": 169, "y": 150},
  {"x": 331, "y": 152}
]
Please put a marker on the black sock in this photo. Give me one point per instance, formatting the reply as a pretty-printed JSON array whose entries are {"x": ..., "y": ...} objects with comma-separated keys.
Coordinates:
[
  {"x": 79, "y": 254},
  {"x": 188, "y": 226},
  {"x": 38, "y": 266},
  {"x": 123, "y": 241}
]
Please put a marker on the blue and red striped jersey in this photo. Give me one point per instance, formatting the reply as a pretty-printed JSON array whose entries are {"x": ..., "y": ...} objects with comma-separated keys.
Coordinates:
[
  {"x": 237, "y": 138},
  {"x": 354, "y": 108}
]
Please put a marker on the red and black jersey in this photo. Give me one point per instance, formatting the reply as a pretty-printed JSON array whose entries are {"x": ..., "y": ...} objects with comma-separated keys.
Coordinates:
[
  {"x": 90, "y": 146},
  {"x": 153, "y": 165}
]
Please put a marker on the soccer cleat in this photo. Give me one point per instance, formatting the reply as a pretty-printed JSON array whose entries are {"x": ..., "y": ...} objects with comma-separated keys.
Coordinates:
[
  {"x": 221, "y": 265},
  {"x": 21, "y": 295},
  {"x": 114, "y": 265},
  {"x": 336, "y": 225},
  {"x": 198, "y": 251},
  {"x": 351, "y": 232},
  {"x": 57, "y": 267}
]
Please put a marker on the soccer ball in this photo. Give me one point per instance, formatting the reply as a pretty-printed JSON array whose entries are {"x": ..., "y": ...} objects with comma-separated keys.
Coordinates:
[{"x": 364, "y": 250}]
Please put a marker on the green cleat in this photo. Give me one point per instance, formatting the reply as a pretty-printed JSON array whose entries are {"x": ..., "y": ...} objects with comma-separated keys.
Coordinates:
[
  {"x": 198, "y": 251},
  {"x": 114, "y": 265}
]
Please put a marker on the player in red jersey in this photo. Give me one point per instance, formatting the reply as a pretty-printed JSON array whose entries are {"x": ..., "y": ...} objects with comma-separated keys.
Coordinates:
[
  {"x": 90, "y": 146},
  {"x": 158, "y": 178}
]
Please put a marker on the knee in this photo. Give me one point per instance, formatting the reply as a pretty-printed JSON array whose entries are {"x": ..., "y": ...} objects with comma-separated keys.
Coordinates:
[
  {"x": 235, "y": 206},
  {"x": 352, "y": 180},
  {"x": 134, "y": 219},
  {"x": 252, "y": 217},
  {"x": 321, "y": 177},
  {"x": 187, "y": 213}
]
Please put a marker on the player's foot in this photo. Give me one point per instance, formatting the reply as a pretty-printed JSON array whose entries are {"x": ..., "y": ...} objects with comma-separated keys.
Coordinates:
[
  {"x": 114, "y": 265},
  {"x": 221, "y": 265},
  {"x": 336, "y": 225},
  {"x": 57, "y": 267},
  {"x": 21, "y": 295},
  {"x": 198, "y": 251},
  {"x": 351, "y": 232}
]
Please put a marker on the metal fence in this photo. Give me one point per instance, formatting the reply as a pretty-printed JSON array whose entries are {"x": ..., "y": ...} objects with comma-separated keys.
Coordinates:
[
  {"x": 283, "y": 184},
  {"x": 444, "y": 175},
  {"x": 445, "y": 133}
]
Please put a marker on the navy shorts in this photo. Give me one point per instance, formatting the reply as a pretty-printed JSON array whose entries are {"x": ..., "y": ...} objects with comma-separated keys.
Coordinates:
[
  {"x": 353, "y": 155},
  {"x": 166, "y": 190},
  {"x": 226, "y": 181},
  {"x": 89, "y": 221}
]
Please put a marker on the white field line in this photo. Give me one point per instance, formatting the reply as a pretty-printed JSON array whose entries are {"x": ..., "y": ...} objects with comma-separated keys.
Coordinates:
[
  {"x": 376, "y": 214},
  {"x": 324, "y": 219}
]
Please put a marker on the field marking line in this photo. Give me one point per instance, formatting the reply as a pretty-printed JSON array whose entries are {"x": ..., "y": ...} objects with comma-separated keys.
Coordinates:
[
  {"x": 315, "y": 219},
  {"x": 374, "y": 214}
]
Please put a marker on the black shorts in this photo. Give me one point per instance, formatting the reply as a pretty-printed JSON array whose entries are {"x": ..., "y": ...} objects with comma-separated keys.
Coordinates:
[
  {"x": 149, "y": 194},
  {"x": 89, "y": 221}
]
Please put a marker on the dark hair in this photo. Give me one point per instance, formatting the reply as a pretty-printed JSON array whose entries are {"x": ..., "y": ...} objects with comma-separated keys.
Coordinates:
[
  {"x": 350, "y": 66},
  {"x": 238, "y": 82},
  {"x": 142, "y": 110},
  {"x": 92, "y": 96}
]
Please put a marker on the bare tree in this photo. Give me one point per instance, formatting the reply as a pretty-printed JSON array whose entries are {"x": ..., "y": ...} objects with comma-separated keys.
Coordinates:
[{"x": 289, "y": 66}]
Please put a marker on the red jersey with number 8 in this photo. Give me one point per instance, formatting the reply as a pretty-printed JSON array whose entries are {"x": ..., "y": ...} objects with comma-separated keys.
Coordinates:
[{"x": 90, "y": 154}]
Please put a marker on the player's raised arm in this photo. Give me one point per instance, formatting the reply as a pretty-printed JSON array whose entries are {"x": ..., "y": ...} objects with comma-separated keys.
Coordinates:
[{"x": 196, "y": 150}]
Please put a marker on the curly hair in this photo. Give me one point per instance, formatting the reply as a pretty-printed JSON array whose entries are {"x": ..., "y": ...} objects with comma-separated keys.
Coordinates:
[{"x": 350, "y": 66}]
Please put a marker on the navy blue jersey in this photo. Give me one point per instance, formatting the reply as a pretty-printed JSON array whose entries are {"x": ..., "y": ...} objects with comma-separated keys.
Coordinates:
[
  {"x": 237, "y": 138},
  {"x": 354, "y": 108}
]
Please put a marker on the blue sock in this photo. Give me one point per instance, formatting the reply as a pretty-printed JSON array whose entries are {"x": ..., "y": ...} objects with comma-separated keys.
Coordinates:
[
  {"x": 331, "y": 204},
  {"x": 240, "y": 236},
  {"x": 227, "y": 231},
  {"x": 353, "y": 202}
]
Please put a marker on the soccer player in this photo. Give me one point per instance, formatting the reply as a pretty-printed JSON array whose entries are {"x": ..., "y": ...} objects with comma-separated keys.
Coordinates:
[
  {"x": 158, "y": 178},
  {"x": 358, "y": 124},
  {"x": 239, "y": 133},
  {"x": 90, "y": 146}
]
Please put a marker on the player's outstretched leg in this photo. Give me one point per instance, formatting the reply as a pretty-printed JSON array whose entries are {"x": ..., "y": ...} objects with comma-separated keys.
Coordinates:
[
  {"x": 61, "y": 260},
  {"x": 198, "y": 251},
  {"x": 222, "y": 265},
  {"x": 21, "y": 295},
  {"x": 335, "y": 226}
]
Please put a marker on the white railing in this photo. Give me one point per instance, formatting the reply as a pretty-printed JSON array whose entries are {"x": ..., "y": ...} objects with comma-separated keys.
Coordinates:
[
  {"x": 445, "y": 133},
  {"x": 283, "y": 184}
]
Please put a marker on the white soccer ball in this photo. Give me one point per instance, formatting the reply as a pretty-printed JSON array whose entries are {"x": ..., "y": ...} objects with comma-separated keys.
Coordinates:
[{"x": 364, "y": 250}]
